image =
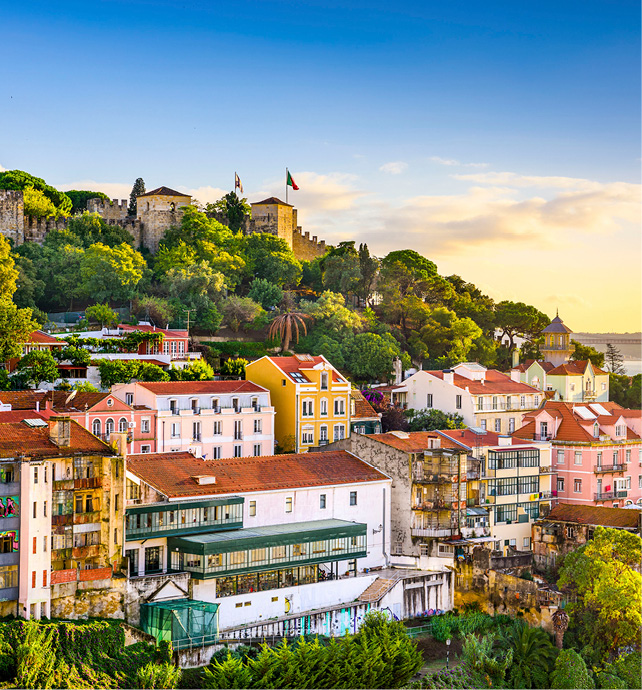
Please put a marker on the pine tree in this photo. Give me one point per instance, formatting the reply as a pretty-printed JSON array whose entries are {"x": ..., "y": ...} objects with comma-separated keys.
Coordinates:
[
  {"x": 137, "y": 190},
  {"x": 614, "y": 360}
]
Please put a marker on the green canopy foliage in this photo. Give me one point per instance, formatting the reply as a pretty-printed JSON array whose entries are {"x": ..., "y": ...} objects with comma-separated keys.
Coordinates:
[
  {"x": 80, "y": 197},
  {"x": 20, "y": 180}
]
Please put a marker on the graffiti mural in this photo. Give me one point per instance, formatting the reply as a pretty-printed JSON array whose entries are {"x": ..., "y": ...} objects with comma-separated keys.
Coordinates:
[
  {"x": 9, "y": 541},
  {"x": 9, "y": 506}
]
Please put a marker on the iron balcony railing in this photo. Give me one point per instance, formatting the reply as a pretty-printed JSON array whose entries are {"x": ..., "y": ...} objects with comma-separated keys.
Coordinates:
[
  {"x": 609, "y": 468},
  {"x": 609, "y": 495}
]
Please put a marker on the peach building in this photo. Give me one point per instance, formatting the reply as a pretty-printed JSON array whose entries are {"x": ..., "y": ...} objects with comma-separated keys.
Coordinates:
[
  {"x": 211, "y": 419},
  {"x": 596, "y": 451}
]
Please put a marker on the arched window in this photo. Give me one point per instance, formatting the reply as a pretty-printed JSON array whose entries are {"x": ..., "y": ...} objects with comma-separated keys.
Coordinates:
[
  {"x": 122, "y": 424},
  {"x": 172, "y": 206},
  {"x": 109, "y": 427},
  {"x": 95, "y": 427}
]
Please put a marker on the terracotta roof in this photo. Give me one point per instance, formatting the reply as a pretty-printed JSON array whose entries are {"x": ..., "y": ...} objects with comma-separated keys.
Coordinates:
[
  {"x": 299, "y": 363},
  {"x": 150, "y": 329},
  {"x": 26, "y": 400},
  {"x": 17, "y": 438},
  {"x": 201, "y": 387},
  {"x": 410, "y": 442},
  {"x": 495, "y": 383},
  {"x": 525, "y": 366},
  {"x": 19, "y": 415},
  {"x": 172, "y": 474},
  {"x": 471, "y": 439},
  {"x": 389, "y": 389},
  {"x": 270, "y": 201},
  {"x": 362, "y": 408},
  {"x": 44, "y": 338},
  {"x": 595, "y": 515},
  {"x": 164, "y": 191},
  {"x": 22, "y": 400},
  {"x": 575, "y": 368},
  {"x": 556, "y": 326}
]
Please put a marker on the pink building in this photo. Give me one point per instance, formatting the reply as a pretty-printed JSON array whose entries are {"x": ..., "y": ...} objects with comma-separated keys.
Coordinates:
[
  {"x": 211, "y": 419},
  {"x": 596, "y": 451},
  {"x": 100, "y": 413}
]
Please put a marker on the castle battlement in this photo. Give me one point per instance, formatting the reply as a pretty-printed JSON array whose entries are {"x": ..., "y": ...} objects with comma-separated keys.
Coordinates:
[{"x": 109, "y": 210}]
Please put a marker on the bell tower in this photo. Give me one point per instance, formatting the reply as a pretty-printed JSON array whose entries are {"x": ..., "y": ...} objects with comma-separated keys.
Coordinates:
[{"x": 557, "y": 348}]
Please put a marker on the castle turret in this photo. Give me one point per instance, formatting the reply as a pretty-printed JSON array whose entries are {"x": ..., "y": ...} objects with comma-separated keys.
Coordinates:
[{"x": 557, "y": 348}]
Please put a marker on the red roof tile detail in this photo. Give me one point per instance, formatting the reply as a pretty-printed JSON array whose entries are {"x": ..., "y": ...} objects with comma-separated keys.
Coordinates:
[
  {"x": 575, "y": 369},
  {"x": 495, "y": 383},
  {"x": 151, "y": 329},
  {"x": 172, "y": 474},
  {"x": 201, "y": 387},
  {"x": 595, "y": 515},
  {"x": 362, "y": 408},
  {"x": 16, "y": 438},
  {"x": 417, "y": 441},
  {"x": 45, "y": 339},
  {"x": 164, "y": 191}
]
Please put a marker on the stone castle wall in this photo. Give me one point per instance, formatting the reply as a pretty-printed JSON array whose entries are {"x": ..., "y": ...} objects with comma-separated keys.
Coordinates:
[
  {"x": 306, "y": 248},
  {"x": 109, "y": 210},
  {"x": 12, "y": 215}
]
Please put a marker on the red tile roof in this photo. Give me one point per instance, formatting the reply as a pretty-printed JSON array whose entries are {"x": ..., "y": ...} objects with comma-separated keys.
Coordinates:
[
  {"x": 471, "y": 439},
  {"x": 525, "y": 366},
  {"x": 22, "y": 400},
  {"x": 17, "y": 438},
  {"x": 19, "y": 415},
  {"x": 201, "y": 387},
  {"x": 271, "y": 201},
  {"x": 56, "y": 400},
  {"x": 290, "y": 365},
  {"x": 409, "y": 442},
  {"x": 495, "y": 383},
  {"x": 596, "y": 515},
  {"x": 362, "y": 408},
  {"x": 151, "y": 329},
  {"x": 575, "y": 369},
  {"x": 45, "y": 339},
  {"x": 164, "y": 191},
  {"x": 172, "y": 474}
]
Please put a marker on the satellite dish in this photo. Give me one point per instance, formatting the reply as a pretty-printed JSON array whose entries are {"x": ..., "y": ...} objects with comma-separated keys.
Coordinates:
[{"x": 71, "y": 397}]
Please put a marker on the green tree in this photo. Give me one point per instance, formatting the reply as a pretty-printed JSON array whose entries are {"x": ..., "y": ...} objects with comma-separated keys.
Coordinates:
[
  {"x": 8, "y": 271},
  {"x": 111, "y": 272},
  {"x": 234, "y": 208},
  {"x": 285, "y": 325},
  {"x": 153, "y": 675},
  {"x": 37, "y": 205},
  {"x": 430, "y": 419},
  {"x": 30, "y": 288},
  {"x": 570, "y": 671},
  {"x": 137, "y": 190},
  {"x": 312, "y": 275},
  {"x": 602, "y": 575},
  {"x": 199, "y": 370},
  {"x": 342, "y": 273},
  {"x": 238, "y": 311},
  {"x": 369, "y": 268},
  {"x": 517, "y": 318},
  {"x": 80, "y": 197},
  {"x": 406, "y": 272},
  {"x": 369, "y": 356},
  {"x": 330, "y": 314},
  {"x": 90, "y": 228},
  {"x": 585, "y": 352},
  {"x": 533, "y": 655},
  {"x": 20, "y": 180},
  {"x": 234, "y": 367},
  {"x": 15, "y": 327},
  {"x": 38, "y": 366},
  {"x": 155, "y": 309},
  {"x": 625, "y": 390},
  {"x": 614, "y": 360},
  {"x": 102, "y": 314},
  {"x": 270, "y": 257},
  {"x": 78, "y": 356},
  {"x": 267, "y": 294}
]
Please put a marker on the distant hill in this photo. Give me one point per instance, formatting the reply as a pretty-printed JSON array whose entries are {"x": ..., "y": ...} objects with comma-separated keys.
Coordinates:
[{"x": 629, "y": 344}]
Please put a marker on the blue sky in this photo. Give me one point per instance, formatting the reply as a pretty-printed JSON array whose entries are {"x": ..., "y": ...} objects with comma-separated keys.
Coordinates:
[{"x": 494, "y": 137}]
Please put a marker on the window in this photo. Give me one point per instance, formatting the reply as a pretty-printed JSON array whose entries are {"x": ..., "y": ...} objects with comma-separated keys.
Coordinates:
[
  {"x": 238, "y": 451},
  {"x": 44, "y": 509},
  {"x": 173, "y": 406},
  {"x": 122, "y": 424},
  {"x": 144, "y": 425},
  {"x": 628, "y": 455},
  {"x": 288, "y": 504},
  {"x": 458, "y": 402},
  {"x": 146, "y": 448},
  {"x": 511, "y": 425},
  {"x": 339, "y": 406},
  {"x": 577, "y": 486},
  {"x": 176, "y": 430},
  {"x": 129, "y": 398},
  {"x": 33, "y": 579},
  {"x": 560, "y": 483},
  {"x": 324, "y": 407},
  {"x": 322, "y": 500},
  {"x": 44, "y": 543},
  {"x": 628, "y": 482},
  {"x": 35, "y": 544},
  {"x": 323, "y": 433},
  {"x": 308, "y": 409},
  {"x": 109, "y": 427},
  {"x": 283, "y": 382},
  {"x": 498, "y": 425},
  {"x": 115, "y": 535},
  {"x": 6, "y": 544},
  {"x": 6, "y": 474},
  {"x": 640, "y": 481},
  {"x": 8, "y": 576},
  {"x": 429, "y": 399},
  {"x": 353, "y": 498},
  {"x": 35, "y": 509},
  {"x": 324, "y": 381},
  {"x": 307, "y": 437},
  {"x": 522, "y": 401},
  {"x": 257, "y": 450},
  {"x": 238, "y": 430},
  {"x": 494, "y": 402},
  {"x": 599, "y": 458},
  {"x": 218, "y": 428},
  {"x": 537, "y": 401},
  {"x": 258, "y": 426},
  {"x": 615, "y": 457},
  {"x": 35, "y": 475},
  {"x": 560, "y": 457},
  {"x": 578, "y": 457},
  {"x": 252, "y": 511},
  {"x": 196, "y": 431},
  {"x": 480, "y": 403},
  {"x": 619, "y": 430},
  {"x": 339, "y": 432},
  {"x": 235, "y": 404},
  {"x": 483, "y": 424},
  {"x": 95, "y": 427}
]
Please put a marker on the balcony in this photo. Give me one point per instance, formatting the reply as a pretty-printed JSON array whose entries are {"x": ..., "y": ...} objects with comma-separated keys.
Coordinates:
[
  {"x": 608, "y": 468},
  {"x": 473, "y": 474},
  {"x": 79, "y": 552},
  {"x": 62, "y": 519},
  {"x": 433, "y": 506},
  {"x": 432, "y": 531},
  {"x": 547, "y": 469},
  {"x": 474, "y": 532},
  {"x": 430, "y": 478},
  {"x": 545, "y": 495},
  {"x": 88, "y": 483},
  {"x": 543, "y": 437},
  {"x": 196, "y": 438},
  {"x": 609, "y": 495},
  {"x": 63, "y": 485},
  {"x": 87, "y": 517}
]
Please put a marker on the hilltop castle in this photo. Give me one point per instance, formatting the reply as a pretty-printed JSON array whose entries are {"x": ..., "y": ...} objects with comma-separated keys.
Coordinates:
[{"x": 157, "y": 211}]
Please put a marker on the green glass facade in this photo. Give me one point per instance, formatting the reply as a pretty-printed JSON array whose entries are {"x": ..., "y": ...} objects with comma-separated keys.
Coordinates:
[{"x": 184, "y": 622}]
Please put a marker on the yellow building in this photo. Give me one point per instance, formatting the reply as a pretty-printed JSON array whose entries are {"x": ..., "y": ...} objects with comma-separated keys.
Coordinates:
[{"x": 310, "y": 397}]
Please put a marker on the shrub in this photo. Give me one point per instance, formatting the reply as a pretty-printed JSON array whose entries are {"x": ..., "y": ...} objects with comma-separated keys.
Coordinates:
[
  {"x": 164, "y": 675},
  {"x": 570, "y": 671}
]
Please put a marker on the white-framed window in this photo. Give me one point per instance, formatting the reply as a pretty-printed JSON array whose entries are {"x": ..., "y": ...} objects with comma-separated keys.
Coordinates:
[
  {"x": 122, "y": 424},
  {"x": 620, "y": 484},
  {"x": 257, "y": 449},
  {"x": 307, "y": 436},
  {"x": 252, "y": 510},
  {"x": 599, "y": 458},
  {"x": 258, "y": 426},
  {"x": 513, "y": 543},
  {"x": 339, "y": 432},
  {"x": 322, "y": 501},
  {"x": 640, "y": 481},
  {"x": 215, "y": 403},
  {"x": 196, "y": 431},
  {"x": 216, "y": 452},
  {"x": 323, "y": 406},
  {"x": 577, "y": 486},
  {"x": 218, "y": 428},
  {"x": 238, "y": 451},
  {"x": 109, "y": 427},
  {"x": 173, "y": 406},
  {"x": 129, "y": 398},
  {"x": 511, "y": 425},
  {"x": 176, "y": 430},
  {"x": 480, "y": 403},
  {"x": 603, "y": 386},
  {"x": 429, "y": 399},
  {"x": 308, "y": 408},
  {"x": 144, "y": 425},
  {"x": 288, "y": 504},
  {"x": 522, "y": 401},
  {"x": 238, "y": 430},
  {"x": 498, "y": 425},
  {"x": 146, "y": 448},
  {"x": 255, "y": 403},
  {"x": 173, "y": 347},
  {"x": 494, "y": 402},
  {"x": 95, "y": 427},
  {"x": 181, "y": 347},
  {"x": 235, "y": 404},
  {"x": 577, "y": 457},
  {"x": 165, "y": 347},
  {"x": 324, "y": 380},
  {"x": 619, "y": 430},
  {"x": 339, "y": 406},
  {"x": 353, "y": 498},
  {"x": 323, "y": 432},
  {"x": 628, "y": 455},
  {"x": 458, "y": 399},
  {"x": 616, "y": 457},
  {"x": 483, "y": 424},
  {"x": 537, "y": 401},
  {"x": 445, "y": 550},
  {"x": 628, "y": 482},
  {"x": 560, "y": 483}
]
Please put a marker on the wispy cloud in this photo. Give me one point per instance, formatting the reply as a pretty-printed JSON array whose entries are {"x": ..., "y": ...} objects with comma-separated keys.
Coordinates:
[
  {"x": 452, "y": 162},
  {"x": 394, "y": 167}
]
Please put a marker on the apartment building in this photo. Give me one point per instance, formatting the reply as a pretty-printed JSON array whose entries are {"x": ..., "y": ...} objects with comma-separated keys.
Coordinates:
[
  {"x": 363, "y": 418},
  {"x": 485, "y": 398},
  {"x": 211, "y": 419},
  {"x": 311, "y": 399},
  {"x": 595, "y": 451},
  {"x": 576, "y": 382}
]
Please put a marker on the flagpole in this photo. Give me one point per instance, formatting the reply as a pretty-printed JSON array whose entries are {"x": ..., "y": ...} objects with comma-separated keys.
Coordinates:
[{"x": 286, "y": 185}]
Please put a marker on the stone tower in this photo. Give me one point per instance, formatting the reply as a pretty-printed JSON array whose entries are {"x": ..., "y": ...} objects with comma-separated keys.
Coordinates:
[
  {"x": 275, "y": 217},
  {"x": 158, "y": 210},
  {"x": 557, "y": 348}
]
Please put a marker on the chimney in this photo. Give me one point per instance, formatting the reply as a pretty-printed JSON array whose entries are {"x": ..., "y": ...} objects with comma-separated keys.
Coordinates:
[
  {"x": 449, "y": 376},
  {"x": 37, "y": 405},
  {"x": 515, "y": 375},
  {"x": 504, "y": 441},
  {"x": 60, "y": 431},
  {"x": 515, "y": 357},
  {"x": 204, "y": 479}
]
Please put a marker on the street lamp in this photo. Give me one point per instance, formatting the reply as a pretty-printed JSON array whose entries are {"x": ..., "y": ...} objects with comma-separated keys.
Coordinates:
[{"x": 447, "y": 653}]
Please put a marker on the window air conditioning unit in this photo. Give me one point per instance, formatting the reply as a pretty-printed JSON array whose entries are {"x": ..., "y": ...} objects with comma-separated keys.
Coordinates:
[{"x": 131, "y": 425}]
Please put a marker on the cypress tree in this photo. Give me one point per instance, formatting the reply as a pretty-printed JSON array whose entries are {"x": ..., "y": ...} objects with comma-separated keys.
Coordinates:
[{"x": 137, "y": 190}]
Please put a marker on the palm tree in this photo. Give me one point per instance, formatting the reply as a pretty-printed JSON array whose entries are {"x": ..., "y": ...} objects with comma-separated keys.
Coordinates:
[
  {"x": 285, "y": 324},
  {"x": 533, "y": 655}
]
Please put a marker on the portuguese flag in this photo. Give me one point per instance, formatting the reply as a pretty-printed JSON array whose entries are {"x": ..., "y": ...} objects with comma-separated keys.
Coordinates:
[{"x": 290, "y": 182}]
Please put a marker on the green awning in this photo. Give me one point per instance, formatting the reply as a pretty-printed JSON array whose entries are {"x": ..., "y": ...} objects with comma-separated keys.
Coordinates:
[
  {"x": 262, "y": 537},
  {"x": 183, "y": 505}
]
